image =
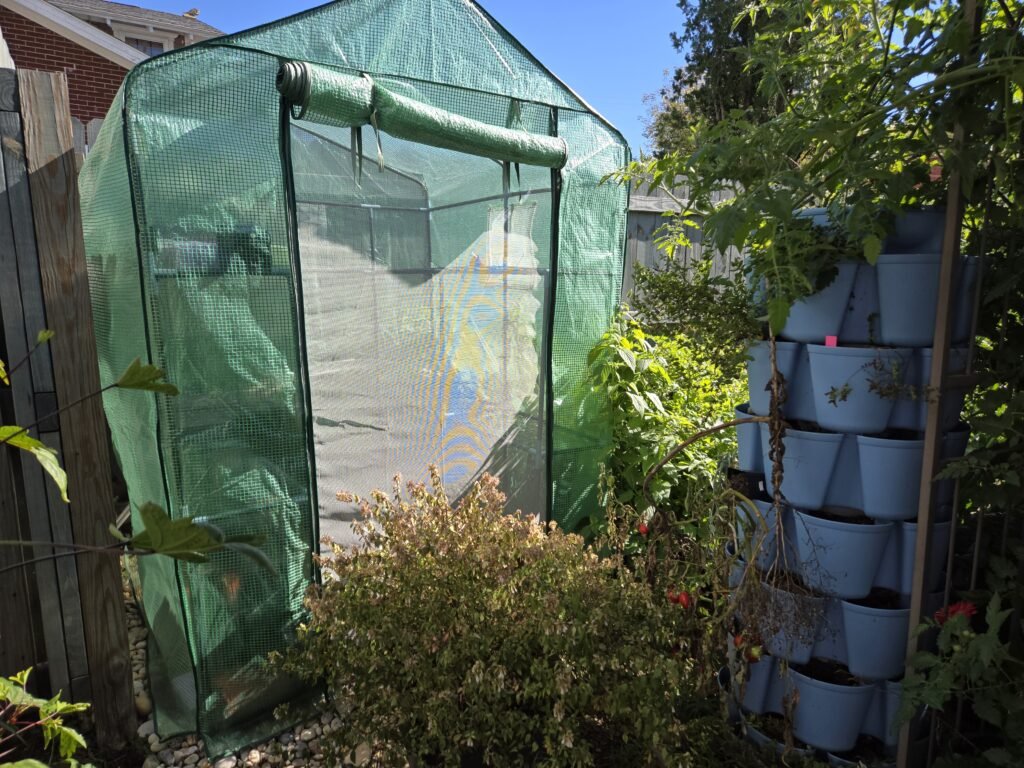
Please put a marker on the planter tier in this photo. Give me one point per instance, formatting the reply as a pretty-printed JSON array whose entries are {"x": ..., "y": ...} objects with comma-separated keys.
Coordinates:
[
  {"x": 829, "y": 716},
  {"x": 807, "y": 465},
  {"x": 908, "y": 288},
  {"x": 821, "y": 314},
  {"x": 759, "y": 372},
  {"x": 845, "y": 381},
  {"x": 890, "y": 476},
  {"x": 838, "y": 558},
  {"x": 748, "y": 439},
  {"x": 876, "y": 640}
]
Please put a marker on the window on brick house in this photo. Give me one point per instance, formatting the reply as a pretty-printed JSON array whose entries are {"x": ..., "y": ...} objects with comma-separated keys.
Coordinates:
[{"x": 148, "y": 47}]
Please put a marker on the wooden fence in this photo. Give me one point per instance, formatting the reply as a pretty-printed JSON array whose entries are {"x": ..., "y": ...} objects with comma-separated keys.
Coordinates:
[
  {"x": 64, "y": 615},
  {"x": 647, "y": 210}
]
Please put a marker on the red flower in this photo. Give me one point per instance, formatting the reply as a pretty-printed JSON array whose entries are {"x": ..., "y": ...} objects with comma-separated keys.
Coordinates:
[
  {"x": 963, "y": 608},
  {"x": 642, "y": 528}
]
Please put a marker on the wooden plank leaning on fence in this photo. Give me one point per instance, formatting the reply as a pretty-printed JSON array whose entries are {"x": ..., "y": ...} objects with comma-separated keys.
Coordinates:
[{"x": 50, "y": 158}]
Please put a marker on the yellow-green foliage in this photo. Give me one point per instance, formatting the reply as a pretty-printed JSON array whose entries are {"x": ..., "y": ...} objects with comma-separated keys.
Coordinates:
[{"x": 458, "y": 629}]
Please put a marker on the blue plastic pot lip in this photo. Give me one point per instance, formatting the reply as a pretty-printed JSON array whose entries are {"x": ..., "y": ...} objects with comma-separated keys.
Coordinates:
[
  {"x": 860, "y": 351},
  {"x": 836, "y": 760},
  {"x": 867, "y": 610},
  {"x": 780, "y": 344},
  {"x": 777, "y": 744},
  {"x": 892, "y": 443},
  {"x": 912, "y": 524},
  {"x": 744, "y": 410},
  {"x": 908, "y": 258},
  {"x": 854, "y": 690},
  {"x": 800, "y": 434},
  {"x": 876, "y": 528}
]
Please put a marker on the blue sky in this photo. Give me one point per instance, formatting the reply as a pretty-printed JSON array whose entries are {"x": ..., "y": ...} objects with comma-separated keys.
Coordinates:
[{"x": 611, "y": 52}]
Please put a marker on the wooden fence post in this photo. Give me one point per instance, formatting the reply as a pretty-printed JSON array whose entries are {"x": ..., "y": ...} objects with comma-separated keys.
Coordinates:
[{"x": 50, "y": 158}]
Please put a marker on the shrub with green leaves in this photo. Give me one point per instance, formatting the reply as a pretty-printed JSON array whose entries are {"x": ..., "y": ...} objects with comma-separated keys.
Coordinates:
[
  {"x": 29, "y": 724},
  {"x": 662, "y": 390},
  {"x": 459, "y": 630}
]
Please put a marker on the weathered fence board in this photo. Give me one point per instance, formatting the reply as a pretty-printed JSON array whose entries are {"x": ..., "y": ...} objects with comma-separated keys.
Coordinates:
[{"x": 50, "y": 159}]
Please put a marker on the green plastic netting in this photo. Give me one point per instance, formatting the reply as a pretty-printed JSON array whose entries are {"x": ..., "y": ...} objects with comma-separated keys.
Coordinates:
[{"x": 361, "y": 240}]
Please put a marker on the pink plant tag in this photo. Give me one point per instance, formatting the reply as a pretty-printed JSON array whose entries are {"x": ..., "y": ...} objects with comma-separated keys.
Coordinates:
[{"x": 831, "y": 341}]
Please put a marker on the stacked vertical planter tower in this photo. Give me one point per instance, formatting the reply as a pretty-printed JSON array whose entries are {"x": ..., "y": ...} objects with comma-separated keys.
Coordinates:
[{"x": 856, "y": 359}]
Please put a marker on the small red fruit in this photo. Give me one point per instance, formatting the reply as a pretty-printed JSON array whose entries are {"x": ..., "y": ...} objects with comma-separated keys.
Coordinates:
[
  {"x": 643, "y": 529},
  {"x": 684, "y": 599},
  {"x": 672, "y": 596}
]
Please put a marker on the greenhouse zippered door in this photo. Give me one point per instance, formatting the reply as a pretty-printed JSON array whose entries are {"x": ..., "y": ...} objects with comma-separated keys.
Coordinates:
[{"x": 426, "y": 281}]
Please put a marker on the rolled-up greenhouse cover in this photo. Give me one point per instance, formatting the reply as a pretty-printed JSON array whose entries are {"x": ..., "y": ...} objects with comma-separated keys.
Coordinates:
[{"x": 361, "y": 240}]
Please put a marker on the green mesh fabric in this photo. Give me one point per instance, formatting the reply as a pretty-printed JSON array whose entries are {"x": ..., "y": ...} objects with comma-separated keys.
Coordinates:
[{"x": 338, "y": 304}]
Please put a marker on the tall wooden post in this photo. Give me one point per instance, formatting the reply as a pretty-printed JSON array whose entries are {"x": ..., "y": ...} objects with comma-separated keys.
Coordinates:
[{"x": 53, "y": 182}]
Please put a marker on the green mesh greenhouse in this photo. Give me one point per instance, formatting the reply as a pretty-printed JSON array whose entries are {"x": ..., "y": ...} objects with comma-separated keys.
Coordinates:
[{"x": 361, "y": 240}]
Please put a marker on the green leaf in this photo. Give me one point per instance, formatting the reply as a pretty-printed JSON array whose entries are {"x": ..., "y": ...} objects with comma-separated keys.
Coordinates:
[
  {"x": 656, "y": 401},
  {"x": 44, "y": 336},
  {"x": 192, "y": 540},
  {"x": 145, "y": 377},
  {"x": 638, "y": 402},
  {"x": 872, "y": 248},
  {"x": 46, "y": 456},
  {"x": 3, "y": 374},
  {"x": 778, "y": 313},
  {"x": 25, "y": 764},
  {"x": 628, "y": 358}
]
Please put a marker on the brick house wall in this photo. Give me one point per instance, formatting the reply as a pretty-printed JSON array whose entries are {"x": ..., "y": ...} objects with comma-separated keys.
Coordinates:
[{"x": 92, "y": 80}]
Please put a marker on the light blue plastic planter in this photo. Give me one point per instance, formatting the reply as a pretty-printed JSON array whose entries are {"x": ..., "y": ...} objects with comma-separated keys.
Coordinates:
[
  {"x": 829, "y": 716},
  {"x": 890, "y": 476},
  {"x": 839, "y": 559},
  {"x": 876, "y": 640},
  {"x": 937, "y": 557},
  {"x": 739, "y": 567},
  {"x": 853, "y": 370},
  {"x": 794, "y": 640},
  {"x": 917, "y": 230},
  {"x": 874, "y": 721},
  {"x": 821, "y": 314},
  {"x": 908, "y": 287},
  {"x": 963, "y": 311},
  {"x": 953, "y": 402},
  {"x": 748, "y": 439},
  {"x": 757, "y": 533},
  {"x": 906, "y": 411},
  {"x": 860, "y": 326},
  {"x": 759, "y": 372},
  {"x": 888, "y": 576},
  {"x": 807, "y": 465},
  {"x": 800, "y": 395},
  {"x": 831, "y": 640},
  {"x": 759, "y": 682},
  {"x": 844, "y": 488}
]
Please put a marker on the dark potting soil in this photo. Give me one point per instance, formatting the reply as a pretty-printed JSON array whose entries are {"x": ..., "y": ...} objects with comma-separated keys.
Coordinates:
[
  {"x": 879, "y": 597},
  {"x": 868, "y": 750},
  {"x": 827, "y": 671},
  {"x": 748, "y": 483},
  {"x": 840, "y": 515}
]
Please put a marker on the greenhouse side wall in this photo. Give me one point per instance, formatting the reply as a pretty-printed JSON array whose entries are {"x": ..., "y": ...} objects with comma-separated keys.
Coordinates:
[{"x": 121, "y": 336}]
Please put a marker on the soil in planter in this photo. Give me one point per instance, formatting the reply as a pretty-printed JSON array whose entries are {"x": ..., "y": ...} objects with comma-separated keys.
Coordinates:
[
  {"x": 879, "y": 597},
  {"x": 827, "y": 671},
  {"x": 840, "y": 515},
  {"x": 747, "y": 483},
  {"x": 868, "y": 750}
]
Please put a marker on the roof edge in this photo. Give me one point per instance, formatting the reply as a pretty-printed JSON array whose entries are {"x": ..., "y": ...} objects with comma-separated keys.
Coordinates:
[{"x": 77, "y": 31}]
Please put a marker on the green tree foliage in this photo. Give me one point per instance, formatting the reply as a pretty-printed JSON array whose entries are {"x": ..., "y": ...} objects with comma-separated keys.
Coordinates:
[{"x": 715, "y": 79}]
